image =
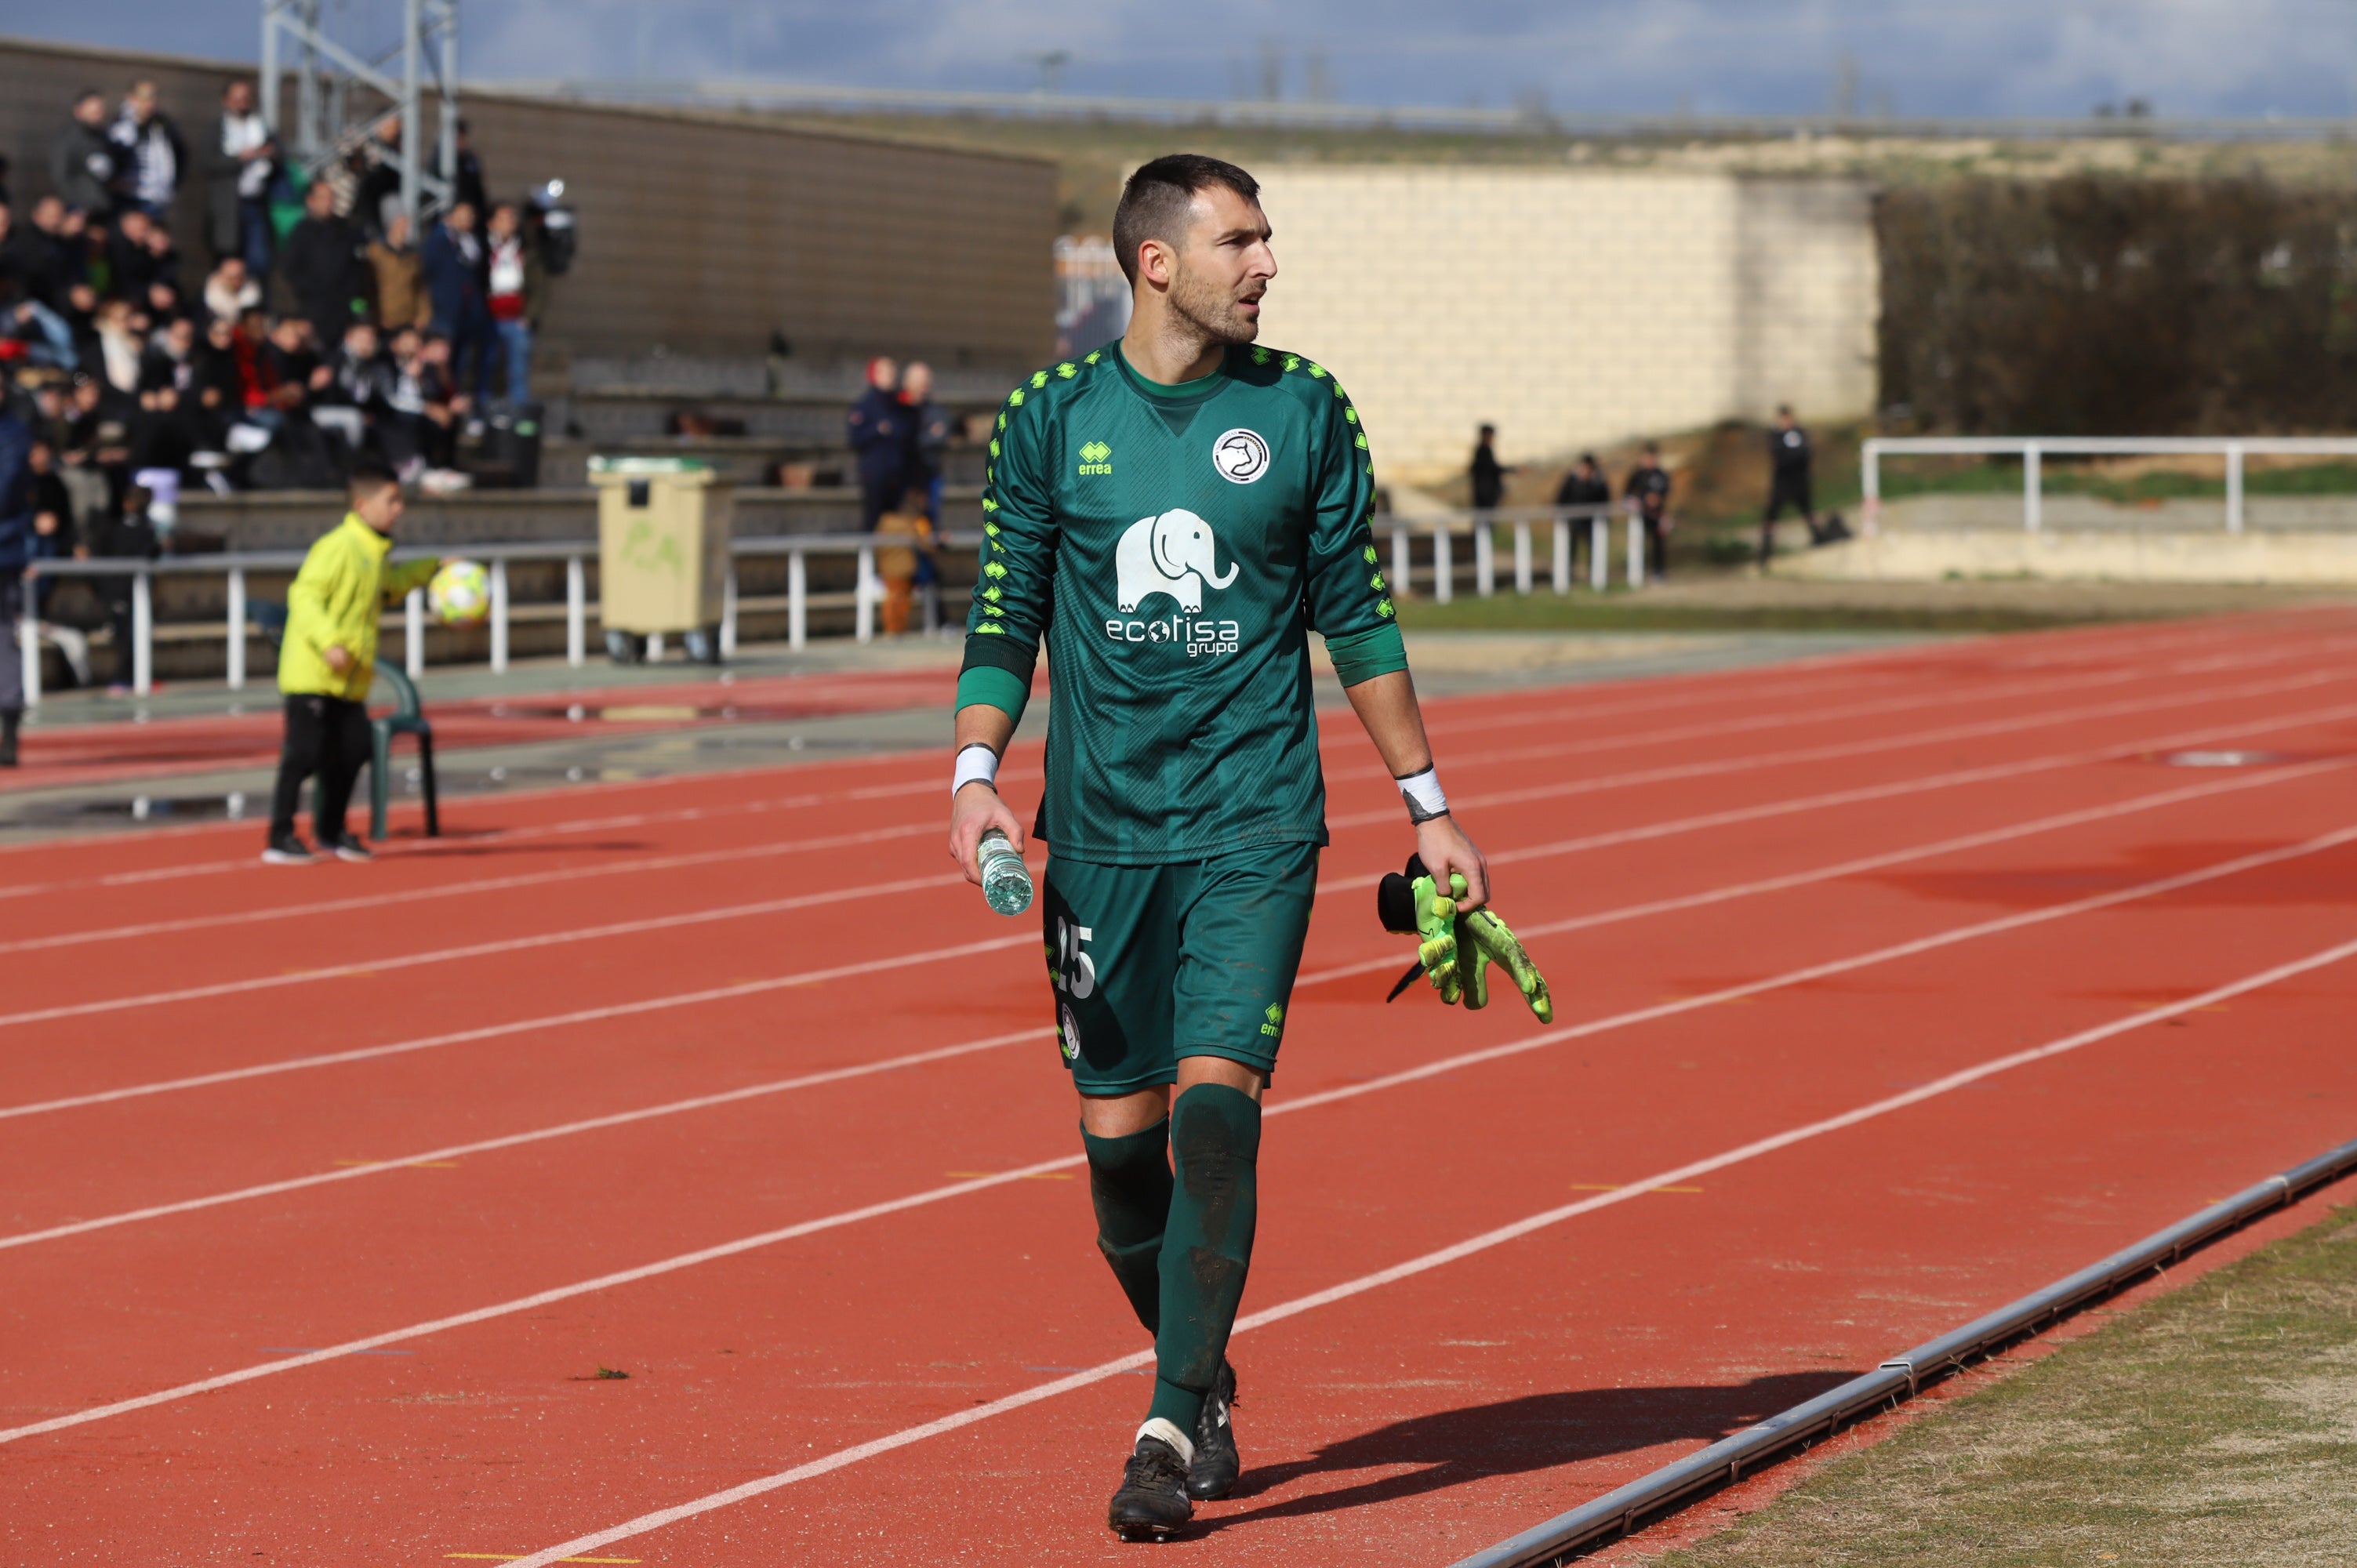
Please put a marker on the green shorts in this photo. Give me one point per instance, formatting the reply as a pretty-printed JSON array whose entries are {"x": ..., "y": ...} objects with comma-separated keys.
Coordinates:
[{"x": 1150, "y": 963}]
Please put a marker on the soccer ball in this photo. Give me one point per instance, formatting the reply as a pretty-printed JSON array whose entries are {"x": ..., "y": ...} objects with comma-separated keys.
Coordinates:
[{"x": 460, "y": 593}]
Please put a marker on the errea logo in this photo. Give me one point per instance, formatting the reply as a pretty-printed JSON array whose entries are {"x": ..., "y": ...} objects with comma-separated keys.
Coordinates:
[{"x": 1096, "y": 458}]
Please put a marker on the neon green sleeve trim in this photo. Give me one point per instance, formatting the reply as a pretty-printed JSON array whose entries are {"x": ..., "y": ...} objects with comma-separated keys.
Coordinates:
[
  {"x": 1002, "y": 689},
  {"x": 1363, "y": 655}
]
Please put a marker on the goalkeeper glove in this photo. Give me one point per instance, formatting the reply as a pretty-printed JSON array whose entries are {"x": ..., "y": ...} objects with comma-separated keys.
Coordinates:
[{"x": 1454, "y": 951}]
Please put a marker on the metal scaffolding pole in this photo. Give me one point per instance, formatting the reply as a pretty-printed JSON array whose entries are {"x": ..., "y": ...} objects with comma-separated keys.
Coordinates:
[{"x": 342, "y": 97}]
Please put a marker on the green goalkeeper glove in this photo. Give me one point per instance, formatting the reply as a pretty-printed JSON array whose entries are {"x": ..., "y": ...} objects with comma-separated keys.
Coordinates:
[
  {"x": 1483, "y": 940},
  {"x": 1454, "y": 951}
]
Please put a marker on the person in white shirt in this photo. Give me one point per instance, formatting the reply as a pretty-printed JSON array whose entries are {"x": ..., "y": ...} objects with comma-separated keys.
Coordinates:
[{"x": 238, "y": 168}]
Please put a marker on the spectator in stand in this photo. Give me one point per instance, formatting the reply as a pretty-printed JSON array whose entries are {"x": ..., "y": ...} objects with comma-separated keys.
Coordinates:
[
  {"x": 359, "y": 393},
  {"x": 401, "y": 298},
  {"x": 81, "y": 160},
  {"x": 1488, "y": 476},
  {"x": 376, "y": 196},
  {"x": 1585, "y": 485},
  {"x": 128, "y": 534},
  {"x": 131, "y": 262},
  {"x": 468, "y": 186},
  {"x": 928, "y": 439},
  {"x": 166, "y": 437},
  {"x": 880, "y": 436},
  {"x": 516, "y": 290},
  {"x": 324, "y": 264},
  {"x": 420, "y": 433},
  {"x": 16, "y": 554},
  {"x": 98, "y": 442},
  {"x": 238, "y": 165},
  {"x": 25, "y": 318},
  {"x": 120, "y": 346},
  {"x": 231, "y": 291},
  {"x": 1647, "y": 495},
  {"x": 150, "y": 156},
  {"x": 53, "y": 255},
  {"x": 1787, "y": 458},
  {"x": 163, "y": 262},
  {"x": 292, "y": 370},
  {"x": 217, "y": 382},
  {"x": 453, "y": 262}
]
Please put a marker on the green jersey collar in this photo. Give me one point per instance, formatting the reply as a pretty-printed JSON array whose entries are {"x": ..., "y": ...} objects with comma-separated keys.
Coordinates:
[{"x": 1185, "y": 394}]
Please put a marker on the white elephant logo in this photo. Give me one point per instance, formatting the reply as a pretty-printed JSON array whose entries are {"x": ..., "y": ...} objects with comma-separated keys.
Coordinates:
[{"x": 1168, "y": 554}]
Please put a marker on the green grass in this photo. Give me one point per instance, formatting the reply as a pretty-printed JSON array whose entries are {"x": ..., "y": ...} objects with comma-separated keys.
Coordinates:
[
  {"x": 2215, "y": 1426},
  {"x": 2004, "y": 477}
]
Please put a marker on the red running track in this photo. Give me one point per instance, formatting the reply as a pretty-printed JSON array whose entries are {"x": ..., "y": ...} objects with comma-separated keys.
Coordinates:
[{"x": 332, "y": 1191}]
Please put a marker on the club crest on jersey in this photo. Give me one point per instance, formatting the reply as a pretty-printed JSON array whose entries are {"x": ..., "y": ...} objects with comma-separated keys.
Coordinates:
[
  {"x": 1241, "y": 456},
  {"x": 1170, "y": 555},
  {"x": 1068, "y": 1034}
]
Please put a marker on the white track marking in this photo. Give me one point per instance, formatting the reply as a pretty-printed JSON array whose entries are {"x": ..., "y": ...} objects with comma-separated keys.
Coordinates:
[
  {"x": 1387, "y": 964},
  {"x": 1309, "y": 1101},
  {"x": 519, "y": 1027},
  {"x": 778, "y": 905},
  {"x": 1391, "y": 962},
  {"x": 1441, "y": 1258},
  {"x": 535, "y": 1136},
  {"x": 1649, "y": 830}
]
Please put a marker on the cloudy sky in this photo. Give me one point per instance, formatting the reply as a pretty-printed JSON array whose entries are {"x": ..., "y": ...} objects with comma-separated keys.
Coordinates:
[{"x": 1914, "y": 57}]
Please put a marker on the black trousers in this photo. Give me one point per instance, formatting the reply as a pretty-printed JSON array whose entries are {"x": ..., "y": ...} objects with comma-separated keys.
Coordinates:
[{"x": 329, "y": 736}]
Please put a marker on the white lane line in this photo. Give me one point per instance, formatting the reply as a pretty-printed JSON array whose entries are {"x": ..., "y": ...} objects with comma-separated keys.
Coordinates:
[
  {"x": 1385, "y": 964},
  {"x": 1765, "y": 759},
  {"x": 1391, "y": 962},
  {"x": 1309, "y": 1101},
  {"x": 536, "y": 1136},
  {"x": 836, "y": 841},
  {"x": 778, "y": 905},
  {"x": 522, "y": 1025},
  {"x": 1677, "y": 1176},
  {"x": 1629, "y": 835}
]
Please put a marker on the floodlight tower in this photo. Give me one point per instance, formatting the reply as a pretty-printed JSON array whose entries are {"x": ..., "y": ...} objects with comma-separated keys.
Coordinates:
[{"x": 328, "y": 123}]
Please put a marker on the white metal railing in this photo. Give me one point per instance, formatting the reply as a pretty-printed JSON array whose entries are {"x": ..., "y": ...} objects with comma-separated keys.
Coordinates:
[
  {"x": 2031, "y": 449},
  {"x": 866, "y": 593}
]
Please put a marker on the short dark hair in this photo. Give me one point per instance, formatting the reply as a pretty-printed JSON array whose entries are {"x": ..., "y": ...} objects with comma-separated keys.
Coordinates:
[
  {"x": 370, "y": 476},
  {"x": 1158, "y": 199}
]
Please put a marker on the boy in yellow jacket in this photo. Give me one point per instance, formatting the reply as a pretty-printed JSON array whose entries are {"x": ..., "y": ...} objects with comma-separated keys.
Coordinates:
[{"x": 328, "y": 662}]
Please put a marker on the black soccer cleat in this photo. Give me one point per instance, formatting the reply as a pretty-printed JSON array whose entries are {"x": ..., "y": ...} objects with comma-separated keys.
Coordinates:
[
  {"x": 348, "y": 848},
  {"x": 285, "y": 849},
  {"x": 1151, "y": 1504},
  {"x": 1217, "y": 1465}
]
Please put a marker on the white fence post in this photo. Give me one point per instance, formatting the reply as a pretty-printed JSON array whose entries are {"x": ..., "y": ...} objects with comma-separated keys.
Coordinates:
[
  {"x": 863, "y": 625},
  {"x": 797, "y": 601},
  {"x": 414, "y": 633},
  {"x": 728, "y": 610},
  {"x": 2234, "y": 486},
  {"x": 28, "y": 643},
  {"x": 1444, "y": 566},
  {"x": 1403, "y": 562},
  {"x": 237, "y": 629},
  {"x": 1523, "y": 557},
  {"x": 2031, "y": 517},
  {"x": 1561, "y": 561},
  {"x": 1871, "y": 477},
  {"x": 1600, "y": 552},
  {"x": 1485, "y": 558},
  {"x": 142, "y": 633},
  {"x": 499, "y": 615},
  {"x": 1636, "y": 551},
  {"x": 577, "y": 611},
  {"x": 654, "y": 648}
]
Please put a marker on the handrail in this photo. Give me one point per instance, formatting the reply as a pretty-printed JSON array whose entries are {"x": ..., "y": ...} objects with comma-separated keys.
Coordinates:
[
  {"x": 2032, "y": 448},
  {"x": 575, "y": 553}
]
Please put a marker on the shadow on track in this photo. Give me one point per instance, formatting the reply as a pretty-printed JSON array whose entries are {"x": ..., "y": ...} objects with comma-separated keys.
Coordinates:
[{"x": 1538, "y": 1432}]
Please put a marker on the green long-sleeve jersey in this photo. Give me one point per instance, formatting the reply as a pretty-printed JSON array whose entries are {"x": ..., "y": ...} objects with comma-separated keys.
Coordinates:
[{"x": 1174, "y": 546}]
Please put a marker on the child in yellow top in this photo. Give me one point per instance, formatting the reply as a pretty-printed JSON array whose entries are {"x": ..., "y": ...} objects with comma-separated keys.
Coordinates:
[{"x": 327, "y": 662}]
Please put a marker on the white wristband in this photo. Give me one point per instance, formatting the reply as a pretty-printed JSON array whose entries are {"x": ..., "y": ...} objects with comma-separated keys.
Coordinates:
[
  {"x": 1423, "y": 796},
  {"x": 975, "y": 760}
]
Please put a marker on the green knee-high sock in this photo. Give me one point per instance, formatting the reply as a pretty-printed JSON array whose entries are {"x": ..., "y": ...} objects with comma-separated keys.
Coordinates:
[
  {"x": 1129, "y": 1179},
  {"x": 1215, "y": 1143}
]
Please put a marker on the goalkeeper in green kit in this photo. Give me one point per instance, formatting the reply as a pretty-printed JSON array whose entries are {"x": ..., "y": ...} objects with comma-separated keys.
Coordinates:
[{"x": 1174, "y": 514}]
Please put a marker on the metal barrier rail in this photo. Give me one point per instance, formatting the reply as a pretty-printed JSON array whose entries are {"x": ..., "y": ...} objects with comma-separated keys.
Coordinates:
[
  {"x": 1567, "y": 1535},
  {"x": 797, "y": 549},
  {"x": 2032, "y": 448}
]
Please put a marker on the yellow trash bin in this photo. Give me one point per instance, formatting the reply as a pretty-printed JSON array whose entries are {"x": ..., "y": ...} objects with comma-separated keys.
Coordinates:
[{"x": 662, "y": 552}]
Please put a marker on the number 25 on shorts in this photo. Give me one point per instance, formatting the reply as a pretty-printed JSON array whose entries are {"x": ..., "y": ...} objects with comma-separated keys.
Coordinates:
[{"x": 1075, "y": 971}]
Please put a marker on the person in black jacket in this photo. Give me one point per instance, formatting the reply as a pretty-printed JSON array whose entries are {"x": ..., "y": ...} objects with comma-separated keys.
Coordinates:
[
  {"x": 882, "y": 435},
  {"x": 326, "y": 266},
  {"x": 1487, "y": 474},
  {"x": 238, "y": 162},
  {"x": 150, "y": 157},
  {"x": 1787, "y": 458},
  {"x": 82, "y": 160},
  {"x": 1585, "y": 485},
  {"x": 1647, "y": 494}
]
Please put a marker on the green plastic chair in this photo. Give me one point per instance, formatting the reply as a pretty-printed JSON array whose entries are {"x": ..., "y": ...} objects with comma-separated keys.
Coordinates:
[{"x": 406, "y": 718}]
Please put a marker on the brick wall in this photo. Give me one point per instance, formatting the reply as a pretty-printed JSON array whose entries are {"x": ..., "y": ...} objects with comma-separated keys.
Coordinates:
[{"x": 1570, "y": 308}]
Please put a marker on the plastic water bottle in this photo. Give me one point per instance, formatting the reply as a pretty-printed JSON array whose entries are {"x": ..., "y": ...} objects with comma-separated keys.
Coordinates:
[{"x": 1006, "y": 880}]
